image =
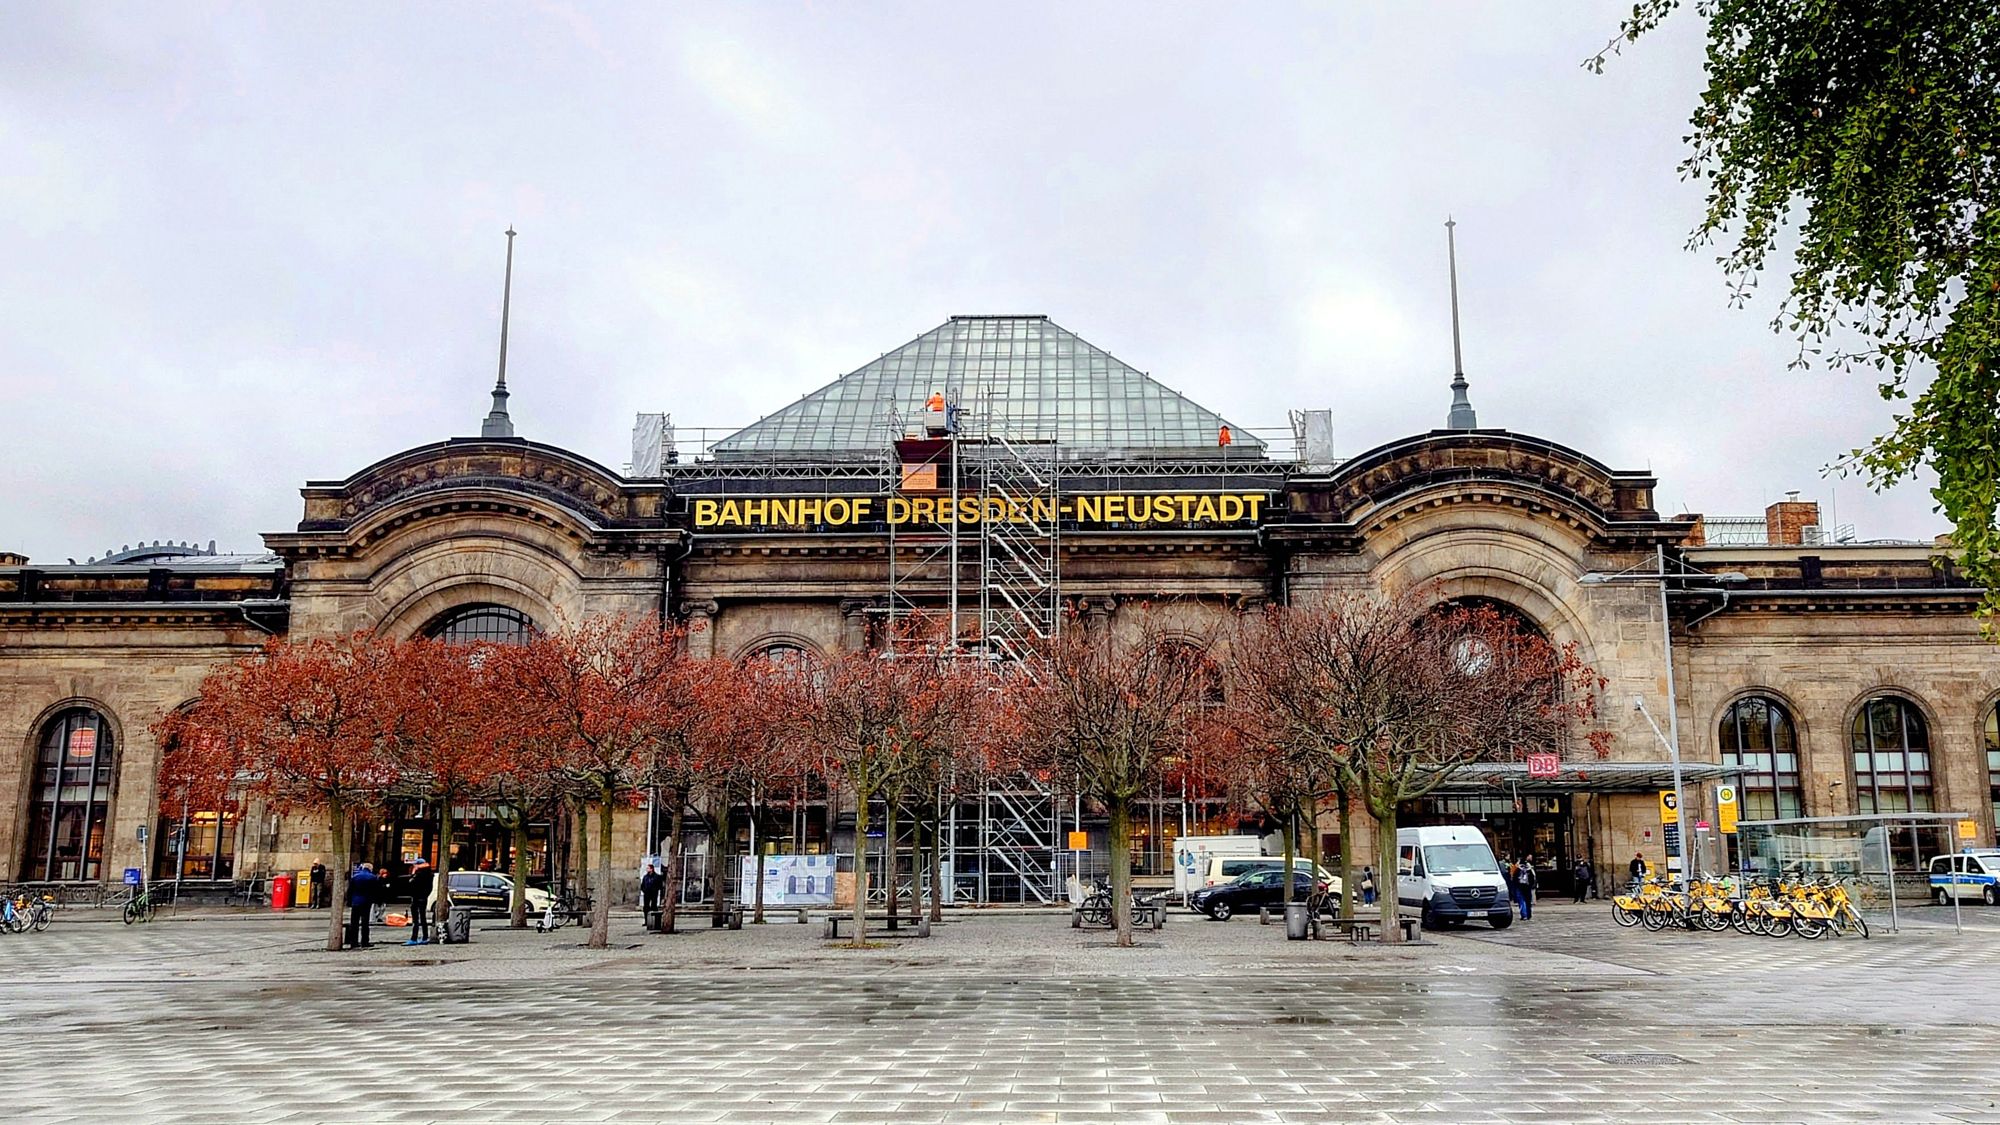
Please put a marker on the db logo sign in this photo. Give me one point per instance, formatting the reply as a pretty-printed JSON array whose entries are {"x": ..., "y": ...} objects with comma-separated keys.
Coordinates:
[{"x": 1544, "y": 765}]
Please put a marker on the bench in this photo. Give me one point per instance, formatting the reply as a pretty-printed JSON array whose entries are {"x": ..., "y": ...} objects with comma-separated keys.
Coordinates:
[
  {"x": 1151, "y": 915},
  {"x": 1360, "y": 929},
  {"x": 836, "y": 922}
]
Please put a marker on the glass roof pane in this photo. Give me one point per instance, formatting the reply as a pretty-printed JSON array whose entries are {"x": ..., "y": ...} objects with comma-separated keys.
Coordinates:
[{"x": 1021, "y": 377}]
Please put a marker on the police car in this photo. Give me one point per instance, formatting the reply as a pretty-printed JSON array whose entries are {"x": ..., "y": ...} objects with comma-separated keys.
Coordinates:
[{"x": 1966, "y": 875}]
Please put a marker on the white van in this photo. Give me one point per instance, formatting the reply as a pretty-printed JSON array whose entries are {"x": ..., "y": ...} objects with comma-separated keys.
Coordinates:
[
  {"x": 1966, "y": 875},
  {"x": 1449, "y": 873},
  {"x": 1195, "y": 856}
]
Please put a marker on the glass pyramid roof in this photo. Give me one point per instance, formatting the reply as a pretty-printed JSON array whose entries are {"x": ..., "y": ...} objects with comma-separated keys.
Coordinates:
[{"x": 1019, "y": 377}]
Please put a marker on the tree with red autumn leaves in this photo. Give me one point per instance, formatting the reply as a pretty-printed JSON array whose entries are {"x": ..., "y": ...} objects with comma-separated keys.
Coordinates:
[
  {"x": 598, "y": 695},
  {"x": 1110, "y": 720},
  {"x": 1400, "y": 693},
  {"x": 301, "y": 726},
  {"x": 443, "y": 740},
  {"x": 880, "y": 716}
]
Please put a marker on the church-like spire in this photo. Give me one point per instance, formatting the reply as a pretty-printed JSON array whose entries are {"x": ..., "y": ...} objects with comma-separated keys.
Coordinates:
[
  {"x": 1461, "y": 416},
  {"x": 497, "y": 423}
]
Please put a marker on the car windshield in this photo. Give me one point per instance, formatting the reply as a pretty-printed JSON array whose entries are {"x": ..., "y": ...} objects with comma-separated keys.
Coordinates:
[{"x": 1449, "y": 859}]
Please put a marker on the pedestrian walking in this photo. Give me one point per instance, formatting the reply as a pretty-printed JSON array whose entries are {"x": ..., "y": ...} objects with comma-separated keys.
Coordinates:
[
  {"x": 1368, "y": 886},
  {"x": 361, "y": 887},
  {"x": 1585, "y": 880},
  {"x": 422, "y": 879},
  {"x": 650, "y": 885}
]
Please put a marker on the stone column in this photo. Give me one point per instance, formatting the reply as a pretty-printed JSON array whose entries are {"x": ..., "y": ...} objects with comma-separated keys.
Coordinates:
[
  {"x": 854, "y": 623},
  {"x": 1096, "y": 612},
  {"x": 700, "y": 627}
]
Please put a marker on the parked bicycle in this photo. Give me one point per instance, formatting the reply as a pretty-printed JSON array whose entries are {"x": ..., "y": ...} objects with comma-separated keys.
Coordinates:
[
  {"x": 144, "y": 903},
  {"x": 20, "y": 913},
  {"x": 1807, "y": 907}
]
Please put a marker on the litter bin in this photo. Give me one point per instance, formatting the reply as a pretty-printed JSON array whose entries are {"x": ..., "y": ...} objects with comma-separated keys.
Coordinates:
[
  {"x": 302, "y": 891},
  {"x": 281, "y": 892},
  {"x": 458, "y": 926},
  {"x": 1295, "y": 921}
]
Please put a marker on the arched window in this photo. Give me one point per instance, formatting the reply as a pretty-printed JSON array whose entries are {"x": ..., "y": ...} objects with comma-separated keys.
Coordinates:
[
  {"x": 1892, "y": 766},
  {"x": 482, "y": 624},
  {"x": 1892, "y": 757},
  {"x": 1761, "y": 746},
  {"x": 193, "y": 842},
  {"x": 71, "y": 798},
  {"x": 1993, "y": 760},
  {"x": 784, "y": 655}
]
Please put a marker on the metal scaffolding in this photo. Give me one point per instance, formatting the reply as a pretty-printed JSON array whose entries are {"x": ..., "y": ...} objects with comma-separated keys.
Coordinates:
[{"x": 1007, "y": 837}]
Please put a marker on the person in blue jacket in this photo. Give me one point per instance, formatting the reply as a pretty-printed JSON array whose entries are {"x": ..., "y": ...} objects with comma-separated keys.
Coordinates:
[{"x": 361, "y": 888}]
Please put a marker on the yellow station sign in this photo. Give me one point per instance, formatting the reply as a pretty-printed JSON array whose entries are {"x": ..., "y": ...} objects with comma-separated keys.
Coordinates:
[{"x": 1112, "y": 509}]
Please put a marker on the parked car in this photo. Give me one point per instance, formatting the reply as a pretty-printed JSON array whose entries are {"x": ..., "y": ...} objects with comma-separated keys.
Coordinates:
[
  {"x": 1966, "y": 875},
  {"x": 490, "y": 892},
  {"x": 1228, "y": 868},
  {"x": 1264, "y": 887}
]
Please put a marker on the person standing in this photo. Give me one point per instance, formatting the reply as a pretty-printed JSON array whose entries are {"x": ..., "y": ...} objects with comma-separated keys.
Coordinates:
[
  {"x": 1637, "y": 869},
  {"x": 319, "y": 888},
  {"x": 649, "y": 890},
  {"x": 1584, "y": 878},
  {"x": 1367, "y": 886},
  {"x": 361, "y": 887},
  {"x": 1526, "y": 880},
  {"x": 421, "y": 880}
]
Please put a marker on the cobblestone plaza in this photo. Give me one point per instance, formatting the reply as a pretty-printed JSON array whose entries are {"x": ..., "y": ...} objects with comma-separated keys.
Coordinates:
[{"x": 1001, "y": 1018}]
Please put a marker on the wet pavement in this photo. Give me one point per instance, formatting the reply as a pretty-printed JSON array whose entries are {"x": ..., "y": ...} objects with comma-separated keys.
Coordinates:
[{"x": 1005, "y": 1019}]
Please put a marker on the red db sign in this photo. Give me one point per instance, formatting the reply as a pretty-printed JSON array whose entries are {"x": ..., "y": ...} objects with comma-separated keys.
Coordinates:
[{"x": 1544, "y": 765}]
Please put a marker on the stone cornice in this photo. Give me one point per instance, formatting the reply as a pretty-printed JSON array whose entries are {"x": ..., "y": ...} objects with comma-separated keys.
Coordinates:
[{"x": 594, "y": 493}]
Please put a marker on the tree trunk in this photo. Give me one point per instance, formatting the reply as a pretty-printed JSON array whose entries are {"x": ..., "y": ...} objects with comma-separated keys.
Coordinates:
[
  {"x": 600, "y": 917},
  {"x": 889, "y": 855},
  {"x": 938, "y": 889},
  {"x": 675, "y": 821},
  {"x": 1120, "y": 862},
  {"x": 719, "y": 845},
  {"x": 756, "y": 864},
  {"x": 1348, "y": 891},
  {"x": 860, "y": 871},
  {"x": 582, "y": 848},
  {"x": 517, "y": 905},
  {"x": 442, "y": 895},
  {"x": 342, "y": 864},
  {"x": 1385, "y": 883},
  {"x": 1291, "y": 852}
]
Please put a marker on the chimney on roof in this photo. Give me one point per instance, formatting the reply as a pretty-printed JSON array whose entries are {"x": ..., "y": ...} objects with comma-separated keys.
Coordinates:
[{"x": 1786, "y": 521}]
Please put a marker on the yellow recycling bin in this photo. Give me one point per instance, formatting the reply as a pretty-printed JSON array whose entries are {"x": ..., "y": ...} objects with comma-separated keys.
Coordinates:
[{"x": 303, "y": 895}]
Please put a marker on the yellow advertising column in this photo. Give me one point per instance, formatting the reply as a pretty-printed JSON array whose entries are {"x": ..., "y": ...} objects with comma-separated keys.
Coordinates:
[
  {"x": 1670, "y": 828},
  {"x": 1725, "y": 822}
]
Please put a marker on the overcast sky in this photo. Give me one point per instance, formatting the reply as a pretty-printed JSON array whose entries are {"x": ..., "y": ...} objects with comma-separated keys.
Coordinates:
[{"x": 244, "y": 247}]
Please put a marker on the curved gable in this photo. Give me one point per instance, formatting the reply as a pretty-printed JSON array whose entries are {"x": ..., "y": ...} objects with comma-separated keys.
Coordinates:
[{"x": 1484, "y": 466}]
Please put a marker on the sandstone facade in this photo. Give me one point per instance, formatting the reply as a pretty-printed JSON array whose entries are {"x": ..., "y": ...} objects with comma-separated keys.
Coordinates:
[{"x": 1484, "y": 514}]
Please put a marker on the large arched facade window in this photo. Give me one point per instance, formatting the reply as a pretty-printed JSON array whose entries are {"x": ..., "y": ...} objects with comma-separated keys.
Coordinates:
[
  {"x": 1891, "y": 744},
  {"x": 1760, "y": 745},
  {"x": 1892, "y": 757},
  {"x": 1993, "y": 759},
  {"x": 482, "y": 624},
  {"x": 70, "y": 800},
  {"x": 194, "y": 842}
]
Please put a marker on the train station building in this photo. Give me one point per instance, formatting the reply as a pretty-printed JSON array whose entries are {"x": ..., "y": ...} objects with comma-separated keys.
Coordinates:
[{"x": 1006, "y": 472}]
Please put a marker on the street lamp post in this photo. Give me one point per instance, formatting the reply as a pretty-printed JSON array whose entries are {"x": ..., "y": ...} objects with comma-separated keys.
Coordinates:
[{"x": 1680, "y": 805}]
